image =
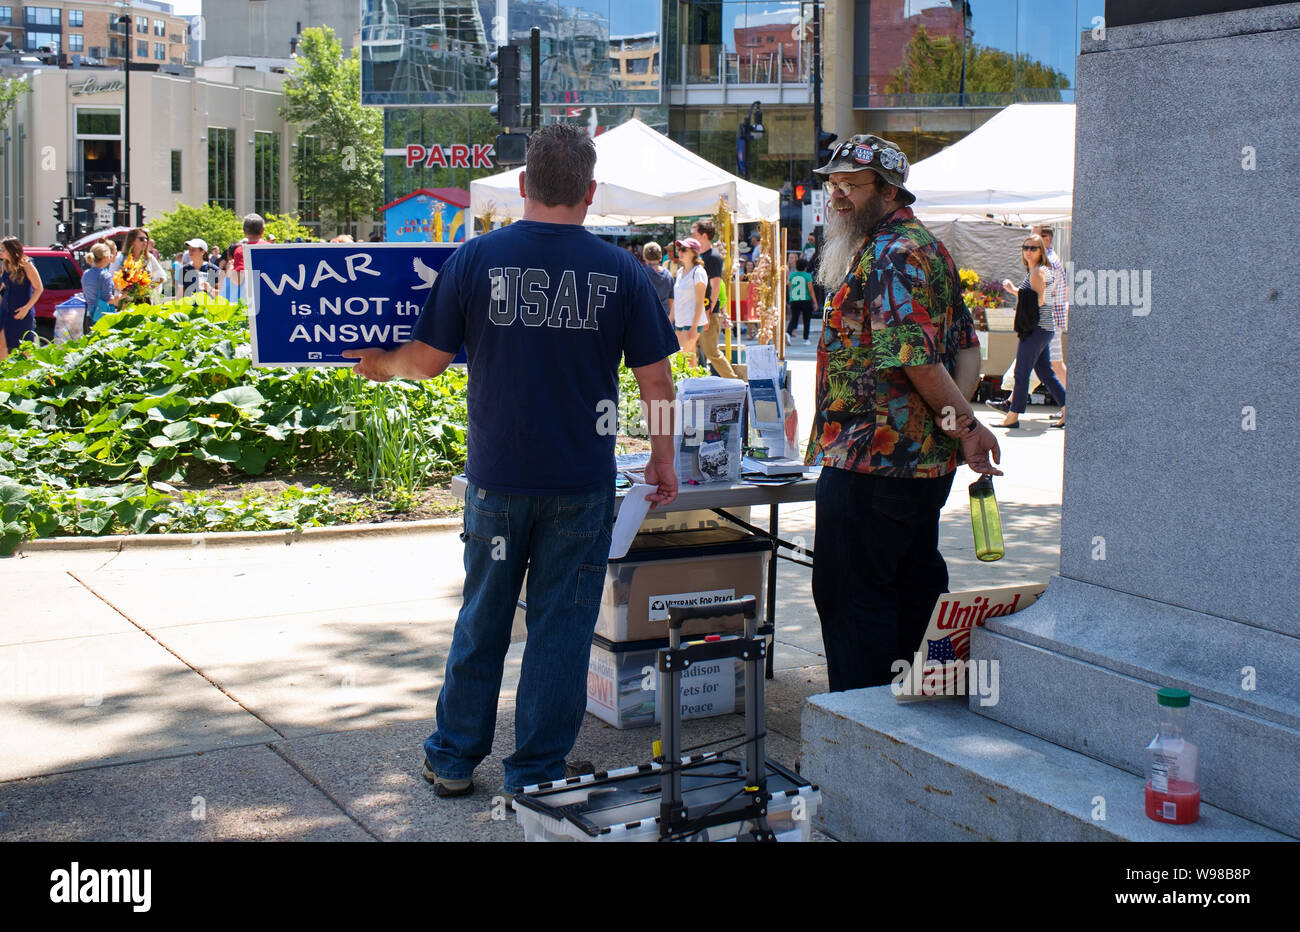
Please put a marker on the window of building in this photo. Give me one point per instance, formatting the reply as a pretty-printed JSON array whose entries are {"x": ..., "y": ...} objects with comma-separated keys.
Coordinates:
[
  {"x": 42, "y": 16},
  {"x": 75, "y": 17},
  {"x": 912, "y": 55},
  {"x": 142, "y": 24},
  {"x": 99, "y": 121},
  {"x": 42, "y": 40},
  {"x": 160, "y": 51},
  {"x": 115, "y": 48},
  {"x": 745, "y": 41},
  {"x": 783, "y": 153},
  {"x": 221, "y": 167},
  {"x": 266, "y": 173},
  {"x": 176, "y": 171},
  {"x": 142, "y": 48},
  {"x": 308, "y": 207},
  {"x": 6, "y": 15},
  {"x": 76, "y": 42},
  {"x": 98, "y": 150},
  {"x": 159, "y": 28}
]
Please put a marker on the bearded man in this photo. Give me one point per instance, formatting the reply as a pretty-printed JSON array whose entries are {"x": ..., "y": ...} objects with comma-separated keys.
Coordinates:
[{"x": 897, "y": 364}]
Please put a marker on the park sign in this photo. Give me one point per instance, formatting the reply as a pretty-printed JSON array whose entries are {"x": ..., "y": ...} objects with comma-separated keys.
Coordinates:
[{"x": 308, "y": 302}]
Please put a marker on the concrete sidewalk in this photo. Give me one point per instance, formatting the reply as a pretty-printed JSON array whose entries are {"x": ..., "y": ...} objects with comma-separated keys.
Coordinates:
[{"x": 273, "y": 691}]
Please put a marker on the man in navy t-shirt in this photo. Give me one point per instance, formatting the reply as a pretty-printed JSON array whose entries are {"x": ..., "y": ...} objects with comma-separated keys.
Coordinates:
[{"x": 545, "y": 312}]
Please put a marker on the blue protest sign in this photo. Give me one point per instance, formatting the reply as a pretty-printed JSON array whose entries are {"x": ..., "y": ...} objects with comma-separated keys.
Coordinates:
[{"x": 308, "y": 302}]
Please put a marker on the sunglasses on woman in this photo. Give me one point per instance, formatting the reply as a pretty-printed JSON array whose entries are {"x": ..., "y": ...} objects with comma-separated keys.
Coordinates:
[{"x": 1029, "y": 249}]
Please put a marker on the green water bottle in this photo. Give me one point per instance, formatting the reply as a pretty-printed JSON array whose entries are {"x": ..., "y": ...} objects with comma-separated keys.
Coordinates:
[{"x": 984, "y": 521}]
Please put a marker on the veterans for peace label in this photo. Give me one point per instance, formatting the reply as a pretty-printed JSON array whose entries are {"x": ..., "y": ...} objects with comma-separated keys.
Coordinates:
[{"x": 308, "y": 302}]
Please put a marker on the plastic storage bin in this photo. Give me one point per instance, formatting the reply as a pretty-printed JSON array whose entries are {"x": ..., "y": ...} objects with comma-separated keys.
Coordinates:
[
  {"x": 623, "y": 805},
  {"x": 622, "y": 685},
  {"x": 710, "y": 429},
  {"x": 681, "y": 568}
]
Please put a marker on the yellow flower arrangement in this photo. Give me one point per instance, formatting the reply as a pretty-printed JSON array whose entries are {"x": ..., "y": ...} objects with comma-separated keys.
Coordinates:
[{"x": 134, "y": 282}]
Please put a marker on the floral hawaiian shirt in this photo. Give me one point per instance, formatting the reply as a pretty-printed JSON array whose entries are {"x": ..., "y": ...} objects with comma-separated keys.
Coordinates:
[{"x": 900, "y": 305}]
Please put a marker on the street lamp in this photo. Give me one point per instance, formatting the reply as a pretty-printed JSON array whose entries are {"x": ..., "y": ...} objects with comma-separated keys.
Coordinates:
[
  {"x": 751, "y": 126},
  {"x": 125, "y": 21}
]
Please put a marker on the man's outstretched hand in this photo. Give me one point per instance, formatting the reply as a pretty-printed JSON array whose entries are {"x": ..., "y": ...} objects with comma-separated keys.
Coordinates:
[
  {"x": 664, "y": 476},
  {"x": 977, "y": 446},
  {"x": 370, "y": 365}
]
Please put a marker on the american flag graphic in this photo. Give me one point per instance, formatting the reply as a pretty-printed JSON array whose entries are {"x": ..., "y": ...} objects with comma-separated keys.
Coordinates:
[{"x": 953, "y": 647}]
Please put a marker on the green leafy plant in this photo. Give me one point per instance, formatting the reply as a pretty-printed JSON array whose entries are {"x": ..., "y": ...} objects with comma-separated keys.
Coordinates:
[{"x": 96, "y": 434}]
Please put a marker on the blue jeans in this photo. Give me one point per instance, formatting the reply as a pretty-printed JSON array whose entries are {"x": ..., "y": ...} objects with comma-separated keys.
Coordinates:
[
  {"x": 877, "y": 571},
  {"x": 563, "y": 542},
  {"x": 1032, "y": 353}
]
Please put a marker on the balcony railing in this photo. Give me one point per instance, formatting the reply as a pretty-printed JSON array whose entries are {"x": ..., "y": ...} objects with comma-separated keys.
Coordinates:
[
  {"x": 783, "y": 63},
  {"x": 90, "y": 184}
]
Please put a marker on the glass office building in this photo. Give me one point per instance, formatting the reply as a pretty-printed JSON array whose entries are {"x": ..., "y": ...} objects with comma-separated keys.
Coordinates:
[
  {"x": 923, "y": 73},
  {"x": 926, "y": 72}
]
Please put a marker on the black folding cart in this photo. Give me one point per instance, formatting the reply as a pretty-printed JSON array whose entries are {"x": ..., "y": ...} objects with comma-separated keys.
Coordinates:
[{"x": 704, "y": 797}]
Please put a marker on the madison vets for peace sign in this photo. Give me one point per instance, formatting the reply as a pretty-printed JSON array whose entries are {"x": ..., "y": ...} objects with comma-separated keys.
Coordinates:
[{"x": 308, "y": 302}]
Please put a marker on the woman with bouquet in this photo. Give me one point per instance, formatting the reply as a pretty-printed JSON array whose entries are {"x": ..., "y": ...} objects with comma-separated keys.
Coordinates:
[{"x": 136, "y": 272}]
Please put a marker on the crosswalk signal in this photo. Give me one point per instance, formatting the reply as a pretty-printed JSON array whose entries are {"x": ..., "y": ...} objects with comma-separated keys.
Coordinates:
[{"x": 506, "y": 84}]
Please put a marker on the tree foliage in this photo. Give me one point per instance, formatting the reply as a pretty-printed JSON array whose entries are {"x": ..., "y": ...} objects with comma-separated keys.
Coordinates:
[
  {"x": 343, "y": 170},
  {"x": 10, "y": 90},
  {"x": 933, "y": 66},
  {"x": 218, "y": 226}
]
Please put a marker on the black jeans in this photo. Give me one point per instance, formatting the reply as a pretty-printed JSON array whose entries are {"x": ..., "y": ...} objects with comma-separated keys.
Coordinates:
[
  {"x": 798, "y": 309},
  {"x": 877, "y": 571}
]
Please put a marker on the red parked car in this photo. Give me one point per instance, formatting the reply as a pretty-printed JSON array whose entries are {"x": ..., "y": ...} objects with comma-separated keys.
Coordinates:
[{"x": 61, "y": 277}]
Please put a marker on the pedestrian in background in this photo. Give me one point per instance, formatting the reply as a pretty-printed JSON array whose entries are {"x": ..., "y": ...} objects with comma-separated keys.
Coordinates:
[
  {"x": 1035, "y": 336},
  {"x": 20, "y": 289},
  {"x": 198, "y": 276},
  {"x": 1059, "y": 297},
  {"x": 137, "y": 249},
  {"x": 653, "y": 256},
  {"x": 690, "y": 292},
  {"x": 97, "y": 286},
  {"x": 800, "y": 299},
  {"x": 703, "y": 231}
]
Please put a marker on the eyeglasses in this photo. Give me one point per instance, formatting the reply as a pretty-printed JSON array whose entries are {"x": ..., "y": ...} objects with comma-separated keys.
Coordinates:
[
  {"x": 844, "y": 187},
  {"x": 1029, "y": 249}
]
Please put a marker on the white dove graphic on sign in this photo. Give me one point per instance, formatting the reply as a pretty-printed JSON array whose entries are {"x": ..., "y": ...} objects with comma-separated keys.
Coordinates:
[{"x": 427, "y": 275}]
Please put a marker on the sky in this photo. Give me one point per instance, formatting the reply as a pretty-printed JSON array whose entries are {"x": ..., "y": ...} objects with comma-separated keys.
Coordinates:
[{"x": 187, "y": 7}]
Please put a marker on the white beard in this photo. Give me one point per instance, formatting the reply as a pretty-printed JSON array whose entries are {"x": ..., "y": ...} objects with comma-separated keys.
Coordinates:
[{"x": 845, "y": 234}]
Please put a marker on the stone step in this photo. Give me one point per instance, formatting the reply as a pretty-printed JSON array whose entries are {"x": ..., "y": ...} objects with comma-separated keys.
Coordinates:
[
  {"x": 935, "y": 771},
  {"x": 1080, "y": 668}
]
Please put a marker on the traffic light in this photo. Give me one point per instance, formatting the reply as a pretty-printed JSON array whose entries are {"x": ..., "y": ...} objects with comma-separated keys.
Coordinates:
[
  {"x": 824, "y": 142},
  {"x": 83, "y": 214},
  {"x": 506, "y": 84},
  {"x": 62, "y": 214},
  {"x": 800, "y": 192},
  {"x": 139, "y": 214}
]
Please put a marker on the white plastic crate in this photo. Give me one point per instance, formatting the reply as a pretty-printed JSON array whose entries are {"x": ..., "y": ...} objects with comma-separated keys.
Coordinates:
[{"x": 555, "y": 811}]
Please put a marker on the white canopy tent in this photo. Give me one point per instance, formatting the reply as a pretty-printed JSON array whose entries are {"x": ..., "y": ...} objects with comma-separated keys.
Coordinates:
[
  {"x": 1017, "y": 167},
  {"x": 642, "y": 177}
]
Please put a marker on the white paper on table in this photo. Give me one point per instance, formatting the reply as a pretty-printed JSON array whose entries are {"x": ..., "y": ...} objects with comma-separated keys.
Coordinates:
[
  {"x": 630, "y": 515},
  {"x": 762, "y": 362}
]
